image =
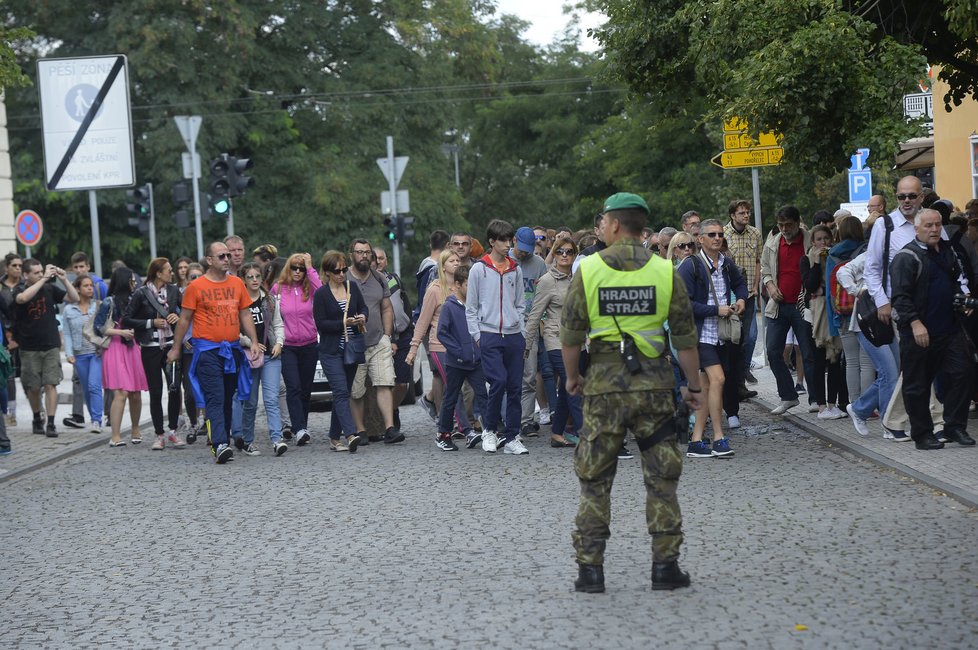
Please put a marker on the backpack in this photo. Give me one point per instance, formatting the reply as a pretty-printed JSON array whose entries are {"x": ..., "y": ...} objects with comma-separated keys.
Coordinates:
[{"x": 843, "y": 303}]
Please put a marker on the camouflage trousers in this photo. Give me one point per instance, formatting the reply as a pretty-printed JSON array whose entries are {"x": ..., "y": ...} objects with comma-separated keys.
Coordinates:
[{"x": 606, "y": 419}]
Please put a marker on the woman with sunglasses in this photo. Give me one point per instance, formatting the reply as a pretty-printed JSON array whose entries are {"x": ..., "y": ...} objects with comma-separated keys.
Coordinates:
[
  {"x": 295, "y": 288},
  {"x": 681, "y": 246},
  {"x": 122, "y": 364},
  {"x": 339, "y": 312},
  {"x": 547, "y": 306},
  {"x": 152, "y": 313},
  {"x": 12, "y": 276},
  {"x": 427, "y": 326},
  {"x": 194, "y": 415},
  {"x": 268, "y": 373}
]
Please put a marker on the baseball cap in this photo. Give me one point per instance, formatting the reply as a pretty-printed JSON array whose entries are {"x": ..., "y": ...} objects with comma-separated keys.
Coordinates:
[
  {"x": 624, "y": 201},
  {"x": 526, "y": 241}
]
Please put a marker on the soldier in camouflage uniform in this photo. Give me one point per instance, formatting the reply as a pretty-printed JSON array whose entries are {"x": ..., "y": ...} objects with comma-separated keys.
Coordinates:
[{"x": 627, "y": 291}]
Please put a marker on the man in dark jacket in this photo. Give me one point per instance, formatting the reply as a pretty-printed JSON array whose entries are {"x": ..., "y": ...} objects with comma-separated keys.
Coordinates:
[{"x": 925, "y": 276}]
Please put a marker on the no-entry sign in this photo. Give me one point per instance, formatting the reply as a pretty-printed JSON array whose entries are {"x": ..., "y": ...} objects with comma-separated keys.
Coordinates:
[{"x": 29, "y": 228}]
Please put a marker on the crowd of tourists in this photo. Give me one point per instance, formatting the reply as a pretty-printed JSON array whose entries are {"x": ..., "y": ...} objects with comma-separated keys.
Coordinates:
[{"x": 860, "y": 315}]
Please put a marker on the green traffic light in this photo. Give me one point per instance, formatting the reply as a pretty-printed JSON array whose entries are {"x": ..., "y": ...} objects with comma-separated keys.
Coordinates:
[
  {"x": 221, "y": 206},
  {"x": 391, "y": 236}
]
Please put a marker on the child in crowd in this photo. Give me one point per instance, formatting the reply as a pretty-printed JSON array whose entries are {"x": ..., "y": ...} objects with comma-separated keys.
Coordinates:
[{"x": 462, "y": 362}]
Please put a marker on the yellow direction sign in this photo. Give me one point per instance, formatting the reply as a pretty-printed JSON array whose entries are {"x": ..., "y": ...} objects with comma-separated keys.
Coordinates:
[{"x": 757, "y": 157}]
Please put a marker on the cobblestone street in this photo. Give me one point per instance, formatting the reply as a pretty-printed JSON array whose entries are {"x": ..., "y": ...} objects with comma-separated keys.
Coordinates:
[{"x": 789, "y": 544}]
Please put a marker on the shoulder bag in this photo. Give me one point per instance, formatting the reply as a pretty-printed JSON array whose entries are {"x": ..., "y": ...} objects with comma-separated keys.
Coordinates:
[
  {"x": 88, "y": 329},
  {"x": 729, "y": 326},
  {"x": 355, "y": 347}
]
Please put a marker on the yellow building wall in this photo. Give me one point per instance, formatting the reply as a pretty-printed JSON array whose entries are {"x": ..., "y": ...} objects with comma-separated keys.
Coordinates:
[{"x": 952, "y": 147}]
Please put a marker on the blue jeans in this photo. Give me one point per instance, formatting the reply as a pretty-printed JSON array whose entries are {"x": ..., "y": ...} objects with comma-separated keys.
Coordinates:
[
  {"x": 548, "y": 372},
  {"x": 749, "y": 319},
  {"x": 219, "y": 390},
  {"x": 877, "y": 396},
  {"x": 243, "y": 418},
  {"x": 340, "y": 377},
  {"x": 89, "y": 368},
  {"x": 502, "y": 364},
  {"x": 565, "y": 405},
  {"x": 777, "y": 333}
]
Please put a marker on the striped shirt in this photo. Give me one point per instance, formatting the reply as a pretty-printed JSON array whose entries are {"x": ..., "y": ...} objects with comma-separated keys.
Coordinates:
[{"x": 711, "y": 325}]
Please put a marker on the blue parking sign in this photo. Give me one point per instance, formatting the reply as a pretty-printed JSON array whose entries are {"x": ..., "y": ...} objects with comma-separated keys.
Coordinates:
[{"x": 860, "y": 185}]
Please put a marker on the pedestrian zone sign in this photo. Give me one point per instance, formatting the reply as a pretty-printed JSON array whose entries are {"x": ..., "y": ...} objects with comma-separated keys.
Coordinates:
[{"x": 86, "y": 123}]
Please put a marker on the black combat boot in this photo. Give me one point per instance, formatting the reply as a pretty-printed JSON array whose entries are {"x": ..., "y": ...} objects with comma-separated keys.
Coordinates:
[
  {"x": 667, "y": 575},
  {"x": 590, "y": 578}
]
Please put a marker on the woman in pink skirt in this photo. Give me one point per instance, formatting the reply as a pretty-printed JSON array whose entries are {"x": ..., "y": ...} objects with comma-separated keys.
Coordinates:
[{"x": 122, "y": 365}]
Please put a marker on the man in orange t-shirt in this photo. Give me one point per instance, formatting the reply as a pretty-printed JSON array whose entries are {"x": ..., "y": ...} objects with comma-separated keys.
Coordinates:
[{"x": 218, "y": 306}]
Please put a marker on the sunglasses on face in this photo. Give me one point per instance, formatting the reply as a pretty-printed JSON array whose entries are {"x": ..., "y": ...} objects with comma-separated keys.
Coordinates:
[
  {"x": 194, "y": 277},
  {"x": 298, "y": 269},
  {"x": 564, "y": 251},
  {"x": 713, "y": 235},
  {"x": 252, "y": 277},
  {"x": 686, "y": 246},
  {"x": 461, "y": 243},
  {"x": 907, "y": 197},
  {"x": 340, "y": 271},
  {"x": 223, "y": 256},
  {"x": 540, "y": 237}
]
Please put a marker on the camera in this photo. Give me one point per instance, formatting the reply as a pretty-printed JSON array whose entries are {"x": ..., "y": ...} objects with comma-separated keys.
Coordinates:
[{"x": 963, "y": 301}]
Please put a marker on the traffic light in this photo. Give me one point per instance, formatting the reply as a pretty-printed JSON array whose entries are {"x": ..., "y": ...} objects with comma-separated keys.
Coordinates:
[
  {"x": 220, "y": 206},
  {"x": 390, "y": 232},
  {"x": 405, "y": 228},
  {"x": 139, "y": 207},
  {"x": 228, "y": 178}
]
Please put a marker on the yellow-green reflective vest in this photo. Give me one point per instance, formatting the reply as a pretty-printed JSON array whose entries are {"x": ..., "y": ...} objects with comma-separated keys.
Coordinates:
[{"x": 638, "y": 300}]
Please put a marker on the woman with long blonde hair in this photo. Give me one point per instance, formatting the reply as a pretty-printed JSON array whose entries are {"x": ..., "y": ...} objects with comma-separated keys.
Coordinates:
[
  {"x": 427, "y": 326},
  {"x": 295, "y": 288}
]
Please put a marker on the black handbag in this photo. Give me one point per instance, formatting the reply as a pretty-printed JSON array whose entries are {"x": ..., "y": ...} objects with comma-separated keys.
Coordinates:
[
  {"x": 876, "y": 331},
  {"x": 355, "y": 347}
]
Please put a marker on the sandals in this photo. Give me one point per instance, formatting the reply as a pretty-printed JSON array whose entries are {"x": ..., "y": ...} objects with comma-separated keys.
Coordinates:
[
  {"x": 117, "y": 443},
  {"x": 135, "y": 441},
  {"x": 561, "y": 443}
]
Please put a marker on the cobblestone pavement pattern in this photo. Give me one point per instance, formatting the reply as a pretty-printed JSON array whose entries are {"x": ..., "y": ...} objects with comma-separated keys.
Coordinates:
[{"x": 409, "y": 546}]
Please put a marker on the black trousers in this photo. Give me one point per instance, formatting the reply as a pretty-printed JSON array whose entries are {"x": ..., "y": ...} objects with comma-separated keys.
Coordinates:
[
  {"x": 154, "y": 361},
  {"x": 733, "y": 377},
  {"x": 948, "y": 357}
]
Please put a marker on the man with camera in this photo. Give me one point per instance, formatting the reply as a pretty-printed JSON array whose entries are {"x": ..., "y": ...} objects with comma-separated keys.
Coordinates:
[
  {"x": 36, "y": 327},
  {"x": 925, "y": 277}
]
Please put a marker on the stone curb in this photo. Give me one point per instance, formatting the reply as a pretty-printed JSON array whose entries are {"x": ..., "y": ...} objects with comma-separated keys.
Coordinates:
[
  {"x": 73, "y": 450},
  {"x": 965, "y": 497}
]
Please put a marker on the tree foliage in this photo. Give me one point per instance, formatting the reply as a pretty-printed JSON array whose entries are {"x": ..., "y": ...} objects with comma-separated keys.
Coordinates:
[{"x": 826, "y": 79}]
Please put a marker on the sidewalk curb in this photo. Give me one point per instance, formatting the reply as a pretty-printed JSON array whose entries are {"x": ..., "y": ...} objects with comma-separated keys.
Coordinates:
[
  {"x": 96, "y": 441},
  {"x": 969, "y": 499}
]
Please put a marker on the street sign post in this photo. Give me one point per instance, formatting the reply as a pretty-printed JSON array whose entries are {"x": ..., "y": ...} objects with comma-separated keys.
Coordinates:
[
  {"x": 189, "y": 127},
  {"x": 860, "y": 178},
  {"x": 390, "y": 201},
  {"x": 86, "y": 123},
  {"x": 740, "y": 151}
]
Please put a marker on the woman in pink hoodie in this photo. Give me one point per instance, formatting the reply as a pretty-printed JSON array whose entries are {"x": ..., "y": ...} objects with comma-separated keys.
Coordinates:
[{"x": 295, "y": 288}]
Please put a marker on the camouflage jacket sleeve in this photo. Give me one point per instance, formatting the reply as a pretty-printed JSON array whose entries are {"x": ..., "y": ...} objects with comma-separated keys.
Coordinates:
[
  {"x": 682, "y": 328},
  {"x": 574, "y": 323}
]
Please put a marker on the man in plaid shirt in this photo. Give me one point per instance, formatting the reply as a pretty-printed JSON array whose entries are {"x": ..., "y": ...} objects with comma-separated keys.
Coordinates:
[{"x": 744, "y": 244}]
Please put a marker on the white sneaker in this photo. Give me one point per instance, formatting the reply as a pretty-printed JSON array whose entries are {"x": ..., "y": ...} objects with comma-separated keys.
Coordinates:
[
  {"x": 733, "y": 422},
  {"x": 826, "y": 414},
  {"x": 813, "y": 408},
  {"x": 515, "y": 447},
  {"x": 544, "y": 418},
  {"x": 838, "y": 414},
  {"x": 859, "y": 423},
  {"x": 96, "y": 427},
  {"x": 302, "y": 438},
  {"x": 489, "y": 441},
  {"x": 783, "y": 407}
]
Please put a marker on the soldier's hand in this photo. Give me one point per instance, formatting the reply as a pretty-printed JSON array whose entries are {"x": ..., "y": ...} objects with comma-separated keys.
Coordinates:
[
  {"x": 692, "y": 399},
  {"x": 574, "y": 385}
]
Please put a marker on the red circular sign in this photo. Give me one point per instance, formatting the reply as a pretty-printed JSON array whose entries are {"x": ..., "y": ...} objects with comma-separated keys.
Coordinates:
[{"x": 28, "y": 227}]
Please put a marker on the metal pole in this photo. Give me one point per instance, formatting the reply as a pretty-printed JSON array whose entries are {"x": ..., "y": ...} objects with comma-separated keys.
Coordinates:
[
  {"x": 196, "y": 187},
  {"x": 458, "y": 183},
  {"x": 152, "y": 223},
  {"x": 392, "y": 183},
  {"x": 27, "y": 252},
  {"x": 96, "y": 242},
  {"x": 758, "y": 221},
  {"x": 230, "y": 217}
]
